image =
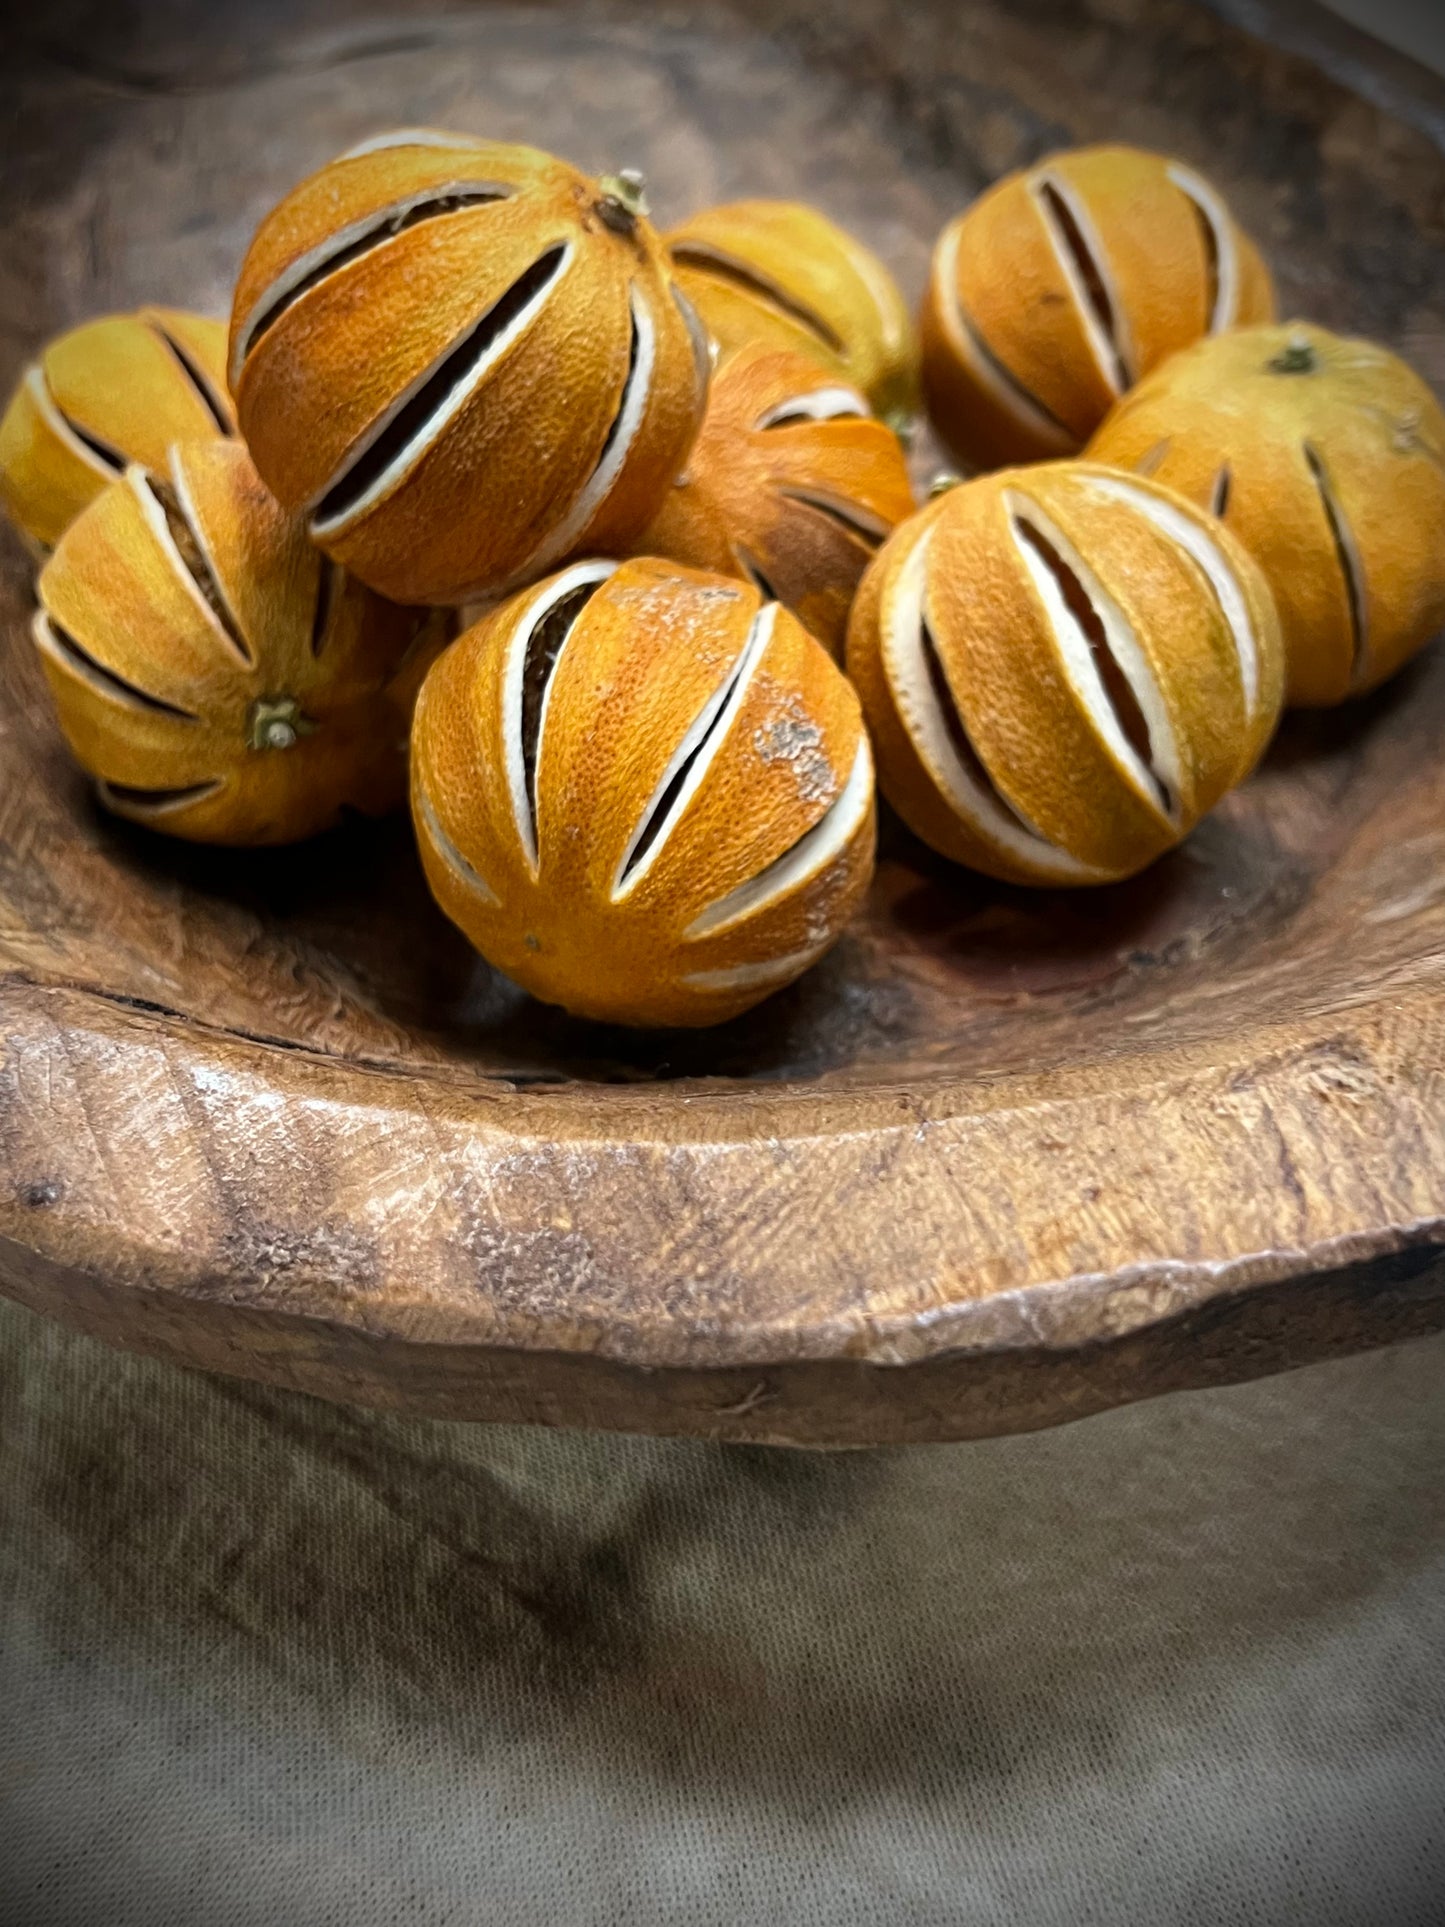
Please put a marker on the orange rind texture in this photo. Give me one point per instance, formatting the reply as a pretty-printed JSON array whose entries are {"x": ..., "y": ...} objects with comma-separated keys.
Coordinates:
[
  {"x": 791, "y": 485},
  {"x": 462, "y": 362},
  {"x": 105, "y": 394},
  {"x": 1063, "y": 285},
  {"x": 1326, "y": 458},
  {"x": 643, "y": 793},
  {"x": 217, "y": 676},
  {"x": 782, "y": 273},
  {"x": 1062, "y": 669}
]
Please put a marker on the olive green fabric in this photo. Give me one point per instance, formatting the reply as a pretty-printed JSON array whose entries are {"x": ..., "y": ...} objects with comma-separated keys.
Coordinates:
[{"x": 278, "y": 1664}]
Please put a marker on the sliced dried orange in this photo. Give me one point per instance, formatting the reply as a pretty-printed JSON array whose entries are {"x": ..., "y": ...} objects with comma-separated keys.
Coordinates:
[
  {"x": 1063, "y": 285},
  {"x": 791, "y": 484},
  {"x": 217, "y": 676},
  {"x": 1063, "y": 668},
  {"x": 643, "y": 792},
  {"x": 112, "y": 391},
  {"x": 782, "y": 273},
  {"x": 463, "y": 361},
  {"x": 1326, "y": 457}
]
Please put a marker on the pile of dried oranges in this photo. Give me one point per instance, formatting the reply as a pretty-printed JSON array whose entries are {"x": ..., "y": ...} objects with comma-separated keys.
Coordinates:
[{"x": 670, "y": 469}]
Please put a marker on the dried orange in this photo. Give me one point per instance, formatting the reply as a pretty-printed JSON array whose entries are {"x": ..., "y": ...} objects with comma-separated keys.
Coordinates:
[
  {"x": 219, "y": 678},
  {"x": 791, "y": 484},
  {"x": 1063, "y": 668},
  {"x": 1066, "y": 282},
  {"x": 781, "y": 272},
  {"x": 1327, "y": 459},
  {"x": 462, "y": 362},
  {"x": 112, "y": 391},
  {"x": 643, "y": 792}
]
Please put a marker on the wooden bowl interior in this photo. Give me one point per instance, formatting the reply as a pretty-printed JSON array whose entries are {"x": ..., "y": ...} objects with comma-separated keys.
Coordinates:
[{"x": 335, "y": 944}]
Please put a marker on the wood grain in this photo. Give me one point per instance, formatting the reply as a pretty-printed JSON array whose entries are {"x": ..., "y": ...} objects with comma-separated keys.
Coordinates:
[{"x": 1006, "y": 1157}]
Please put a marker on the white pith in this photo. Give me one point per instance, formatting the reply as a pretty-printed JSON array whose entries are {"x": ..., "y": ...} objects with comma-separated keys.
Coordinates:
[
  {"x": 1081, "y": 669},
  {"x": 49, "y": 645},
  {"x": 1226, "y": 254},
  {"x": 881, "y": 292},
  {"x": 747, "y": 976},
  {"x": 465, "y": 873},
  {"x": 337, "y": 242},
  {"x": 127, "y": 806},
  {"x": 155, "y": 517},
  {"x": 409, "y": 137},
  {"x": 709, "y": 728},
  {"x": 514, "y": 675},
  {"x": 594, "y": 493},
  {"x": 901, "y": 622},
  {"x": 1112, "y": 353},
  {"x": 57, "y": 424},
  {"x": 702, "y": 344},
  {"x": 809, "y": 857},
  {"x": 197, "y": 528},
  {"x": 412, "y": 452},
  {"x": 1201, "y": 546},
  {"x": 819, "y": 405},
  {"x": 1015, "y": 401}
]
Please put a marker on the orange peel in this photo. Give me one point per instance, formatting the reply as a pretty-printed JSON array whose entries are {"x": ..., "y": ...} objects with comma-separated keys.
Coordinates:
[
  {"x": 782, "y": 273},
  {"x": 792, "y": 484},
  {"x": 1062, "y": 669},
  {"x": 1326, "y": 458},
  {"x": 110, "y": 392},
  {"x": 463, "y": 361},
  {"x": 219, "y": 679},
  {"x": 1065, "y": 283},
  {"x": 643, "y": 793}
]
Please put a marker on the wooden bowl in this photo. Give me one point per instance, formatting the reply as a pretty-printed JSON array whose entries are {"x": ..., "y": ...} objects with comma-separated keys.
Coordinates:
[{"x": 1005, "y": 1158}]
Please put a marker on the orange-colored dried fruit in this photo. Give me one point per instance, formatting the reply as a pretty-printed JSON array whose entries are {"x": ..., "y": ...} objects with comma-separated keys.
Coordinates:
[
  {"x": 781, "y": 272},
  {"x": 220, "y": 680},
  {"x": 1063, "y": 285},
  {"x": 1326, "y": 457},
  {"x": 109, "y": 392},
  {"x": 1063, "y": 668},
  {"x": 791, "y": 484},
  {"x": 643, "y": 793},
  {"x": 463, "y": 361}
]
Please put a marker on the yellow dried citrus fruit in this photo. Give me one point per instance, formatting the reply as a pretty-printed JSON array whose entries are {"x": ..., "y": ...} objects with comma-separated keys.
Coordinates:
[
  {"x": 643, "y": 792},
  {"x": 110, "y": 392},
  {"x": 781, "y": 272},
  {"x": 462, "y": 362},
  {"x": 216, "y": 675},
  {"x": 1326, "y": 457},
  {"x": 1063, "y": 668},
  {"x": 791, "y": 484},
  {"x": 1066, "y": 282}
]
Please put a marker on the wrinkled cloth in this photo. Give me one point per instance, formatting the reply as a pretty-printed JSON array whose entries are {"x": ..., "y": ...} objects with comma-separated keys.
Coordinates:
[{"x": 269, "y": 1662}]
